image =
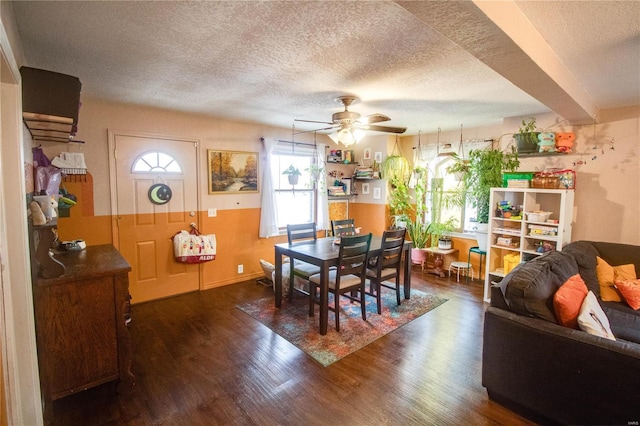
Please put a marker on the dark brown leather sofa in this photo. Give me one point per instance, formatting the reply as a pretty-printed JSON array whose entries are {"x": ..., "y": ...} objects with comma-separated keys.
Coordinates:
[{"x": 557, "y": 375}]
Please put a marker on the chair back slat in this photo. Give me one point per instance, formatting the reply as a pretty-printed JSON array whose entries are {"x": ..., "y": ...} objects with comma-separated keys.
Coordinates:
[
  {"x": 301, "y": 231},
  {"x": 343, "y": 227},
  {"x": 392, "y": 243},
  {"x": 352, "y": 258}
]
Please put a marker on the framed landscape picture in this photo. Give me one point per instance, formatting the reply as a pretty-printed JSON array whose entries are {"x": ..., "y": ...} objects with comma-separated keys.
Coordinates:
[{"x": 232, "y": 171}]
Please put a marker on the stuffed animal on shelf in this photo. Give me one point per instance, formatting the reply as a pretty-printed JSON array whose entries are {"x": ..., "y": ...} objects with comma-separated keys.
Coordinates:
[
  {"x": 564, "y": 141},
  {"x": 546, "y": 142}
]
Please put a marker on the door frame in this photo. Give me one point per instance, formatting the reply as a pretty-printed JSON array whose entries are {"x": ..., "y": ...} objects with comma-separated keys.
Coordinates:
[
  {"x": 113, "y": 180},
  {"x": 21, "y": 380}
]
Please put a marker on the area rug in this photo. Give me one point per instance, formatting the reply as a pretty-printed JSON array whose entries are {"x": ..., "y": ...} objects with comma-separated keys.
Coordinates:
[{"x": 292, "y": 322}]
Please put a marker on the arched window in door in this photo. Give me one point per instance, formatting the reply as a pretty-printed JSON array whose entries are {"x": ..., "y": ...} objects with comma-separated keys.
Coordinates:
[{"x": 156, "y": 162}]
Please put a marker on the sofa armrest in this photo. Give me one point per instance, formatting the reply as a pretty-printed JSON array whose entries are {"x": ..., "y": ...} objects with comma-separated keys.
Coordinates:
[{"x": 565, "y": 375}]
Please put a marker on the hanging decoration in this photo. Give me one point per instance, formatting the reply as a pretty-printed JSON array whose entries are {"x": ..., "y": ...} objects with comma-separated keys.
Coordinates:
[
  {"x": 159, "y": 193},
  {"x": 395, "y": 168},
  {"x": 593, "y": 151}
]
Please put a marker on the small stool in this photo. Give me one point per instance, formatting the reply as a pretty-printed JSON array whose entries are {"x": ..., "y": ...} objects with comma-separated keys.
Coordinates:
[
  {"x": 461, "y": 266},
  {"x": 482, "y": 253}
]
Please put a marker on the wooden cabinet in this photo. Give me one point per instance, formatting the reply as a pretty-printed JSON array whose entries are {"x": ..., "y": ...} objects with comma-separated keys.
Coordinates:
[
  {"x": 513, "y": 240},
  {"x": 81, "y": 334}
]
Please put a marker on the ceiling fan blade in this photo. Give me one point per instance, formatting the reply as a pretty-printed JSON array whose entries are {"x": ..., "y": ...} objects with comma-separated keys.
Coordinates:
[
  {"x": 313, "y": 121},
  {"x": 388, "y": 129},
  {"x": 373, "y": 118},
  {"x": 315, "y": 130}
]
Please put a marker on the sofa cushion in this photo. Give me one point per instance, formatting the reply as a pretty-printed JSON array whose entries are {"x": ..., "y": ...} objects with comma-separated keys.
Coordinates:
[
  {"x": 619, "y": 254},
  {"x": 607, "y": 275},
  {"x": 585, "y": 254},
  {"x": 568, "y": 300},
  {"x": 624, "y": 321},
  {"x": 592, "y": 318},
  {"x": 630, "y": 290},
  {"x": 529, "y": 288}
]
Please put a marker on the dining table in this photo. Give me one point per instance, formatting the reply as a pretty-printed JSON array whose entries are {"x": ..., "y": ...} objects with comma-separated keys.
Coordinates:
[{"x": 323, "y": 252}]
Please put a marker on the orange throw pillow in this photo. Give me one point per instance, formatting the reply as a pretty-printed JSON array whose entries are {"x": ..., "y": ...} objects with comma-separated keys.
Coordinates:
[
  {"x": 630, "y": 291},
  {"x": 607, "y": 275},
  {"x": 568, "y": 300}
]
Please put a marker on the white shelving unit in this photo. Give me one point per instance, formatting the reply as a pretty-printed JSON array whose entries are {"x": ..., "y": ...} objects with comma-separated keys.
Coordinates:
[{"x": 526, "y": 236}]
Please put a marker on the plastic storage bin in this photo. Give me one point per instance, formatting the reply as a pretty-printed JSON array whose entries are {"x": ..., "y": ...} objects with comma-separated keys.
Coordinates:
[{"x": 510, "y": 261}]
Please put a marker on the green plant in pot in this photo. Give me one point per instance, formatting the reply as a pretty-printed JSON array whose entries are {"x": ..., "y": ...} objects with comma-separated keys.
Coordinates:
[
  {"x": 396, "y": 170},
  {"x": 399, "y": 203},
  {"x": 438, "y": 227},
  {"x": 315, "y": 172},
  {"x": 293, "y": 174},
  {"x": 439, "y": 232},
  {"x": 527, "y": 136},
  {"x": 484, "y": 171}
]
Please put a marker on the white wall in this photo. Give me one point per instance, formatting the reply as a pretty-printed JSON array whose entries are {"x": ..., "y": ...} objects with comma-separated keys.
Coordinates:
[
  {"x": 607, "y": 195},
  {"x": 97, "y": 117}
]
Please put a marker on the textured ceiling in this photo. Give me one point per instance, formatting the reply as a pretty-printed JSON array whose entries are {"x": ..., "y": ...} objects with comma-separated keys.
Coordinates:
[{"x": 272, "y": 62}]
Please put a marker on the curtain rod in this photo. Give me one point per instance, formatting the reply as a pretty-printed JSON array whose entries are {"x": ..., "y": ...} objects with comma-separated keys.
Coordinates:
[{"x": 297, "y": 143}]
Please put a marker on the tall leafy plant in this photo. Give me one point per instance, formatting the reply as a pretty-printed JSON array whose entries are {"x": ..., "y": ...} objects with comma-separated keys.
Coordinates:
[
  {"x": 395, "y": 168},
  {"x": 483, "y": 172},
  {"x": 399, "y": 200},
  {"x": 439, "y": 227}
]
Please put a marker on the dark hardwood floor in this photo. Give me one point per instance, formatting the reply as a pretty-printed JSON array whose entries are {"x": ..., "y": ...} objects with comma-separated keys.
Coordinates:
[{"x": 199, "y": 360}]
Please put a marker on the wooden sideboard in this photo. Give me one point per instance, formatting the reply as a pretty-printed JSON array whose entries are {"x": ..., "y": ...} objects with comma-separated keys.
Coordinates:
[{"x": 81, "y": 334}]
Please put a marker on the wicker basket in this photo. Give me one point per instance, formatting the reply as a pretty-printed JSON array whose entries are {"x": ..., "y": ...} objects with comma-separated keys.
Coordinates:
[{"x": 545, "y": 180}]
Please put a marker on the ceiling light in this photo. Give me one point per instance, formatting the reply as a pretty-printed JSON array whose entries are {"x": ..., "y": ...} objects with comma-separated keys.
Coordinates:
[{"x": 347, "y": 136}]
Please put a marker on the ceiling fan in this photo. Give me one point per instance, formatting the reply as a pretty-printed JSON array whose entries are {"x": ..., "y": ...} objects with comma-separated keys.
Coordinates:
[{"x": 351, "y": 126}]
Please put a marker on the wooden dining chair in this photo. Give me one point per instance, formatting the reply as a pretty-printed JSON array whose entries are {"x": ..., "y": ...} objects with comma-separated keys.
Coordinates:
[
  {"x": 386, "y": 266},
  {"x": 343, "y": 227},
  {"x": 348, "y": 279},
  {"x": 300, "y": 233}
]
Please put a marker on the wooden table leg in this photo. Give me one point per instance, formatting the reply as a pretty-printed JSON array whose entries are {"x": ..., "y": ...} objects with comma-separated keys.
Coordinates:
[
  {"x": 278, "y": 281},
  {"x": 324, "y": 299},
  {"x": 407, "y": 273}
]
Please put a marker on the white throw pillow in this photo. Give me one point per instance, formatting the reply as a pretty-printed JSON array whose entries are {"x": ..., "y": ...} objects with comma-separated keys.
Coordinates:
[{"x": 592, "y": 318}]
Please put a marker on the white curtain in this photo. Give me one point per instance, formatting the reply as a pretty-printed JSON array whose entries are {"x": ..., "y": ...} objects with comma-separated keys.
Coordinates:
[
  {"x": 323, "y": 198},
  {"x": 269, "y": 207}
]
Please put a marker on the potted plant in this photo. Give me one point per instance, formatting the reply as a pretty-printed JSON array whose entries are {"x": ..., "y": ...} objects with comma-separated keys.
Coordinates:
[
  {"x": 418, "y": 233},
  {"x": 527, "y": 136},
  {"x": 399, "y": 203},
  {"x": 437, "y": 226},
  {"x": 439, "y": 231},
  {"x": 315, "y": 172},
  {"x": 483, "y": 172},
  {"x": 293, "y": 174}
]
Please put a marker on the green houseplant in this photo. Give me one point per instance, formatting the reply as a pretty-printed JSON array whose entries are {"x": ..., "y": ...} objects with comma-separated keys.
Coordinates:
[
  {"x": 437, "y": 226},
  {"x": 483, "y": 171},
  {"x": 396, "y": 170},
  {"x": 293, "y": 174},
  {"x": 527, "y": 136},
  {"x": 399, "y": 202}
]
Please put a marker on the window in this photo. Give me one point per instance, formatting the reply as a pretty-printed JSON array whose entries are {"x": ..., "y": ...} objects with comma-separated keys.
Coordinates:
[
  {"x": 295, "y": 203},
  {"x": 450, "y": 183},
  {"x": 438, "y": 176},
  {"x": 156, "y": 162}
]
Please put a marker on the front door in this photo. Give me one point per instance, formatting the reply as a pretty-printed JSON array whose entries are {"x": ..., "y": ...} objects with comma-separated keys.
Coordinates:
[{"x": 157, "y": 196}]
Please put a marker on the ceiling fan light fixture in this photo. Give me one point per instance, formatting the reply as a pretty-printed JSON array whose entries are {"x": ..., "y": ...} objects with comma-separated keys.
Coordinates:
[{"x": 347, "y": 137}]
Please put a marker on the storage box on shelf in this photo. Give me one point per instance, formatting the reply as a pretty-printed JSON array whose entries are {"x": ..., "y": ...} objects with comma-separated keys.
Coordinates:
[{"x": 544, "y": 225}]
